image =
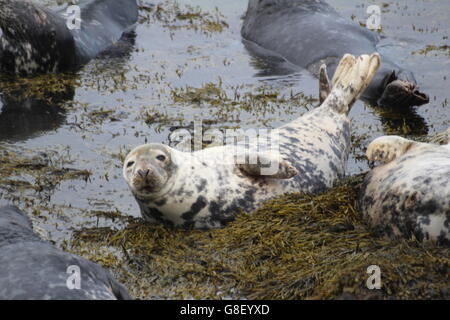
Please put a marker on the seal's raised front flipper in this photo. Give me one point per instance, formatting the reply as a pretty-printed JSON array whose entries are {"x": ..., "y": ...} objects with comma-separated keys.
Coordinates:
[
  {"x": 266, "y": 166},
  {"x": 387, "y": 148},
  {"x": 103, "y": 22},
  {"x": 351, "y": 78}
]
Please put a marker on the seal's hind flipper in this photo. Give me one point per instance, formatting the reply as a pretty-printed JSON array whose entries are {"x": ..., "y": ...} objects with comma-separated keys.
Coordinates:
[
  {"x": 267, "y": 166},
  {"x": 324, "y": 83},
  {"x": 387, "y": 148},
  {"x": 351, "y": 78}
]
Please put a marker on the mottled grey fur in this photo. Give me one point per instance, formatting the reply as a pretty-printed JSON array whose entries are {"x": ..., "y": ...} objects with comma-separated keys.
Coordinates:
[
  {"x": 34, "y": 269},
  {"x": 36, "y": 40},
  {"x": 207, "y": 188},
  {"x": 409, "y": 195}
]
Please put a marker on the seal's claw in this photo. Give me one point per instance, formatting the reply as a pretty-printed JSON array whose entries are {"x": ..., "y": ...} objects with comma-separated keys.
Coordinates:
[
  {"x": 268, "y": 166},
  {"x": 388, "y": 148}
]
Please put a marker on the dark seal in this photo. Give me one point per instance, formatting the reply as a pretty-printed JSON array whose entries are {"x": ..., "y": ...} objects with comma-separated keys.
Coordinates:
[
  {"x": 37, "y": 40},
  {"x": 34, "y": 269},
  {"x": 308, "y": 33}
]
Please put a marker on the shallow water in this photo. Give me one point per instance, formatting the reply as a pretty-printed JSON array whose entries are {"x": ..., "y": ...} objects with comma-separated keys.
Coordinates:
[{"x": 105, "y": 113}]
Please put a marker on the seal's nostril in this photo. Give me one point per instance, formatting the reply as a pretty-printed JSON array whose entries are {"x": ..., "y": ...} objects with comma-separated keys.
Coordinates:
[
  {"x": 143, "y": 173},
  {"x": 423, "y": 96},
  {"x": 418, "y": 92}
]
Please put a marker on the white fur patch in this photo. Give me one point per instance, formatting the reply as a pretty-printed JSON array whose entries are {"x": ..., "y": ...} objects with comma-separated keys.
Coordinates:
[{"x": 435, "y": 227}]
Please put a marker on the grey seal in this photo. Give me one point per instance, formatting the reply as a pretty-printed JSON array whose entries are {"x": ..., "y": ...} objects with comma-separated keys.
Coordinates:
[
  {"x": 308, "y": 33},
  {"x": 207, "y": 188},
  {"x": 34, "y": 269},
  {"x": 409, "y": 194},
  {"x": 37, "y": 40}
]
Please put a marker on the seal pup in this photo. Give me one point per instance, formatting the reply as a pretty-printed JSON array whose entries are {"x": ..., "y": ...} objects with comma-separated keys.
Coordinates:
[
  {"x": 308, "y": 33},
  {"x": 33, "y": 269},
  {"x": 207, "y": 188},
  {"x": 36, "y": 40},
  {"x": 409, "y": 194}
]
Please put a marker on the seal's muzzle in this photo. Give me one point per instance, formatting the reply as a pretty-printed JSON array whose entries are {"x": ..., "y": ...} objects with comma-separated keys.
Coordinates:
[{"x": 402, "y": 93}]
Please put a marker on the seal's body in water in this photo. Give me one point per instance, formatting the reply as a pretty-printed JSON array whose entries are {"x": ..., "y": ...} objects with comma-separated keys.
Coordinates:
[
  {"x": 409, "y": 195},
  {"x": 37, "y": 40},
  {"x": 34, "y": 269},
  {"x": 308, "y": 33},
  {"x": 207, "y": 188}
]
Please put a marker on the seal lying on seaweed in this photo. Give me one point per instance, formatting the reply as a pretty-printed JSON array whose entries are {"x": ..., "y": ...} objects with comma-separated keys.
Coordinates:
[{"x": 207, "y": 188}]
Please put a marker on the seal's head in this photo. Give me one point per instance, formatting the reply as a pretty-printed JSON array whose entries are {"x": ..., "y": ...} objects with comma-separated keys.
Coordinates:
[
  {"x": 148, "y": 169},
  {"x": 401, "y": 90}
]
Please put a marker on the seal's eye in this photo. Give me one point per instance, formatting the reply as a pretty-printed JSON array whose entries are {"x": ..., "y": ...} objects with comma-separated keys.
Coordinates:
[
  {"x": 161, "y": 157},
  {"x": 129, "y": 164}
]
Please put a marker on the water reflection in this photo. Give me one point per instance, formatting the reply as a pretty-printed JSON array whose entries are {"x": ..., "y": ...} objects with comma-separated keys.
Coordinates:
[
  {"x": 401, "y": 121},
  {"x": 23, "y": 117}
]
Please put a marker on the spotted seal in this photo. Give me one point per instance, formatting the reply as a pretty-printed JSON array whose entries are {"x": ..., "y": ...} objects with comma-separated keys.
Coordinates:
[
  {"x": 308, "y": 33},
  {"x": 33, "y": 269},
  {"x": 207, "y": 188},
  {"x": 409, "y": 194},
  {"x": 37, "y": 40}
]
